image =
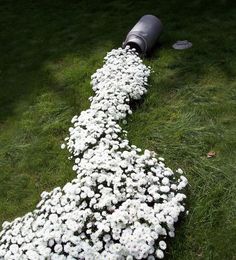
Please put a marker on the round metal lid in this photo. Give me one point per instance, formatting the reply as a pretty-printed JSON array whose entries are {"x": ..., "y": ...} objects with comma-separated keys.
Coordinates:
[{"x": 182, "y": 45}]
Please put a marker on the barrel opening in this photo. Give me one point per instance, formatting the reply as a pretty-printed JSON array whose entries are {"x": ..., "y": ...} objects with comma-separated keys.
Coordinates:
[{"x": 135, "y": 46}]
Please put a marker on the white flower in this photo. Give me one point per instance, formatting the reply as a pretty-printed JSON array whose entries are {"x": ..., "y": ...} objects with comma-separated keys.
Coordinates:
[
  {"x": 180, "y": 171},
  {"x": 32, "y": 255},
  {"x": 14, "y": 248},
  {"x": 63, "y": 146},
  {"x": 58, "y": 248},
  {"x": 162, "y": 245},
  {"x": 53, "y": 218},
  {"x": 165, "y": 181},
  {"x": 159, "y": 254},
  {"x": 165, "y": 189},
  {"x": 169, "y": 220}
]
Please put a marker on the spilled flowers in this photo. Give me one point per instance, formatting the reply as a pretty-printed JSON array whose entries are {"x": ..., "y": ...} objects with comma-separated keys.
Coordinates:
[{"x": 123, "y": 203}]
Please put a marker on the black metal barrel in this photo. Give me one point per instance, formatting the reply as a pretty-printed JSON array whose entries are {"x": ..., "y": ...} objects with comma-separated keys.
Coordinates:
[{"x": 144, "y": 34}]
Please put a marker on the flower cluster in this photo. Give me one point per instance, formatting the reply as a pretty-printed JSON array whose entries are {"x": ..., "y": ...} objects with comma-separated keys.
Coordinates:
[{"x": 123, "y": 203}]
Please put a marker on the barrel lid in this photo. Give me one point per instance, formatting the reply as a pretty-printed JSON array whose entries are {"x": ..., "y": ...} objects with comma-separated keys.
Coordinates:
[{"x": 182, "y": 45}]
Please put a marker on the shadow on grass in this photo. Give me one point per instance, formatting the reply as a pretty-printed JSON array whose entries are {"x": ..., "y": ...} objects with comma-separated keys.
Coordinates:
[{"x": 35, "y": 33}]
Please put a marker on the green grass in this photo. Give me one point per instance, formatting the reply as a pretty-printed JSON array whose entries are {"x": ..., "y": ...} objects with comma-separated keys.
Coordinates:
[{"x": 49, "y": 49}]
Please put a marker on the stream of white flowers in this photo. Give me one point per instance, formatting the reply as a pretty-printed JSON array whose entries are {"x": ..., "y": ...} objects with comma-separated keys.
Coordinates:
[{"x": 123, "y": 203}]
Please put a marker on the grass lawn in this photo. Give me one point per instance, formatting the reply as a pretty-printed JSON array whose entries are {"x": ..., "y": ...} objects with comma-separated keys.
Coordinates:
[{"x": 49, "y": 49}]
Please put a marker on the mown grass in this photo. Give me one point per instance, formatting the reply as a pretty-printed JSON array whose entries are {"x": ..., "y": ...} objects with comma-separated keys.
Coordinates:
[{"x": 49, "y": 49}]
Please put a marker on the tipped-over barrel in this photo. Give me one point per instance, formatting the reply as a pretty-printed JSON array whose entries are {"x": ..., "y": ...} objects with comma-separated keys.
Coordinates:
[{"x": 144, "y": 34}]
